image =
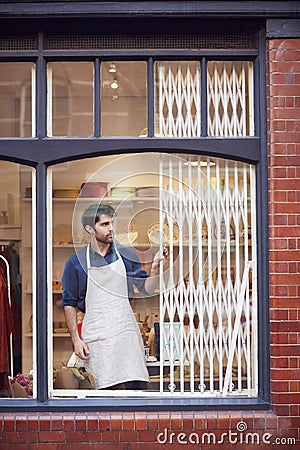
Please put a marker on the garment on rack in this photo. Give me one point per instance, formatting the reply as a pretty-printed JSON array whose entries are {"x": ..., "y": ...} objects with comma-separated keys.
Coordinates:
[
  {"x": 6, "y": 327},
  {"x": 12, "y": 257}
]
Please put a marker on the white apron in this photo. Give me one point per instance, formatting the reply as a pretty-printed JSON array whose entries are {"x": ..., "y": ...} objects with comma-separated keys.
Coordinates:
[{"x": 110, "y": 329}]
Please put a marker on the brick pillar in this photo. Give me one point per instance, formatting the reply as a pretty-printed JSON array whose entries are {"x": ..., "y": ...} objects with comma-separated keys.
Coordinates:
[{"x": 284, "y": 208}]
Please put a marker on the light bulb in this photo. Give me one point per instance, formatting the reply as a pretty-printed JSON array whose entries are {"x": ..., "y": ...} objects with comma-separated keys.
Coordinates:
[
  {"x": 114, "y": 84},
  {"x": 112, "y": 68}
]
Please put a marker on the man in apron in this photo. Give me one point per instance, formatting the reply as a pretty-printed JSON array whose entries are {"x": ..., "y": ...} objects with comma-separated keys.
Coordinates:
[{"x": 98, "y": 280}]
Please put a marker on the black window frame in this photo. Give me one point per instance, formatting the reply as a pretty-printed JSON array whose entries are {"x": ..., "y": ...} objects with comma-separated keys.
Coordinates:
[{"x": 41, "y": 152}]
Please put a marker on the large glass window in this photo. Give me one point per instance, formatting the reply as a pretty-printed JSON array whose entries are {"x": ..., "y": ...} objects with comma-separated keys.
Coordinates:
[
  {"x": 199, "y": 326},
  {"x": 123, "y": 98},
  {"x": 70, "y": 99},
  {"x": 17, "y": 306},
  {"x": 194, "y": 316},
  {"x": 17, "y": 94},
  {"x": 179, "y": 103}
]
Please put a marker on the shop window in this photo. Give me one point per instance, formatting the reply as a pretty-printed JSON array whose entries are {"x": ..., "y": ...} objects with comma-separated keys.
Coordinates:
[
  {"x": 230, "y": 98},
  {"x": 199, "y": 326},
  {"x": 70, "y": 99},
  {"x": 177, "y": 99},
  {"x": 123, "y": 98},
  {"x": 17, "y": 305},
  {"x": 17, "y": 104}
]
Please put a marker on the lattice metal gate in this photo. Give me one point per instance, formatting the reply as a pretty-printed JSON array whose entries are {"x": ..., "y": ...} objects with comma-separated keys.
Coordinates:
[
  {"x": 230, "y": 105},
  {"x": 230, "y": 98},
  {"x": 208, "y": 304},
  {"x": 178, "y": 99}
]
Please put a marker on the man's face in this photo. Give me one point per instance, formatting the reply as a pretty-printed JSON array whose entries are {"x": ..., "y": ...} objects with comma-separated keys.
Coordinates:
[{"x": 103, "y": 229}]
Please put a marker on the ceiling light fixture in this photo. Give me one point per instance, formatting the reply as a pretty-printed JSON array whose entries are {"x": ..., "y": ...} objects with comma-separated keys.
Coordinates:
[
  {"x": 112, "y": 68},
  {"x": 114, "y": 84},
  {"x": 199, "y": 163}
]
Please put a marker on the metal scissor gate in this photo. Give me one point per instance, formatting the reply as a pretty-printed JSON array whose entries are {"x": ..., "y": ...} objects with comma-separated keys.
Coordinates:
[{"x": 208, "y": 302}]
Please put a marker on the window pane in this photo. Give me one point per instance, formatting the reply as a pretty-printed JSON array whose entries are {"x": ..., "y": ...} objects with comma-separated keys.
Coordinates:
[
  {"x": 16, "y": 281},
  {"x": 177, "y": 99},
  {"x": 230, "y": 98},
  {"x": 70, "y": 99},
  {"x": 208, "y": 300},
  {"x": 123, "y": 98},
  {"x": 17, "y": 114},
  {"x": 199, "y": 326}
]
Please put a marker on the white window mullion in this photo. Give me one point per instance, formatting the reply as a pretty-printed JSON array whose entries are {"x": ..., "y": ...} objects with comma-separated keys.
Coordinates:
[{"x": 254, "y": 314}]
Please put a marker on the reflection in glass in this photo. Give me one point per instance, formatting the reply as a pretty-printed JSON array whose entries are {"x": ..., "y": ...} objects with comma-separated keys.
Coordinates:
[
  {"x": 16, "y": 290},
  {"x": 70, "y": 99},
  {"x": 123, "y": 98},
  {"x": 16, "y": 99}
]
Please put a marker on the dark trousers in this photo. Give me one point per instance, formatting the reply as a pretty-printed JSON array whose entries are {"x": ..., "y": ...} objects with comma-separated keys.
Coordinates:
[
  {"x": 140, "y": 385},
  {"x": 134, "y": 385}
]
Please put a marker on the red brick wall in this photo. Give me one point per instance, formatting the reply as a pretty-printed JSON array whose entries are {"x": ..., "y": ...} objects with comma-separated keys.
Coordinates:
[
  {"x": 133, "y": 431},
  {"x": 143, "y": 431},
  {"x": 284, "y": 200}
]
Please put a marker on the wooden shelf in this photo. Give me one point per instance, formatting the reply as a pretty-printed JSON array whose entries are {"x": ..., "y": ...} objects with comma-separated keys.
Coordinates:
[
  {"x": 108, "y": 200},
  {"x": 10, "y": 233},
  {"x": 56, "y": 335}
]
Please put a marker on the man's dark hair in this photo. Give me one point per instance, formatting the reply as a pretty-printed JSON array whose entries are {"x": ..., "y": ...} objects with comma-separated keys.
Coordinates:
[{"x": 93, "y": 212}]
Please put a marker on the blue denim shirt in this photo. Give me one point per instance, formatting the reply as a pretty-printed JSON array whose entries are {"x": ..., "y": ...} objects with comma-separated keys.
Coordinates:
[{"x": 74, "y": 278}]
